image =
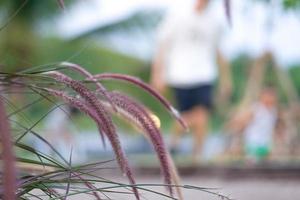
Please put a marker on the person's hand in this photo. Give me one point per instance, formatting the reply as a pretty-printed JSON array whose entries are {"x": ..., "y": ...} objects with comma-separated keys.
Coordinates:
[{"x": 157, "y": 80}]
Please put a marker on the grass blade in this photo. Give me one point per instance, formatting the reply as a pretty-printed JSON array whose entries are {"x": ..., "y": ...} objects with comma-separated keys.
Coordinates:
[{"x": 9, "y": 168}]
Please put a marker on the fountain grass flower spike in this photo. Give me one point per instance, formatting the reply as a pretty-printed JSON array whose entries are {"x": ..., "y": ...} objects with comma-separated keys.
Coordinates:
[
  {"x": 142, "y": 117},
  {"x": 80, "y": 105},
  {"x": 147, "y": 88},
  {"x": 135, "y": 112},
  {"x": 88, "y": 75},
  {"x": 102, "y": 118},
  {"x": 101, "y": 110}
]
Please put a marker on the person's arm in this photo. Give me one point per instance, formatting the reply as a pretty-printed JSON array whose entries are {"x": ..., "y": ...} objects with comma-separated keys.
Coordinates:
[
  {"x": 240, "y": 121},
  {"x": 157, "y": 69}
]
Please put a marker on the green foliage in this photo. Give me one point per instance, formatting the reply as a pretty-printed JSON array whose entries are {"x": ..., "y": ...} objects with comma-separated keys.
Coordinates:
[
  {"x": 291, "y": 4},
  {"x": 294, "y": 73},
  {"x": 240, "y": 71},
  {"x": 93, "y": 57},
  {"x": 288, "y": 4},
  {"x": 32, "y": 10}
]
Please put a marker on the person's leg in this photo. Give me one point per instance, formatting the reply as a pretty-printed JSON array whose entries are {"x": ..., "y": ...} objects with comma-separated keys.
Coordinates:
[
  {"x": 175, "y": 137},
  {"x": 199, "y": 117},
  {"x": 202, "y": 97},
  {"x": 178, "y": 131},
  {"x": 197, "y": 120},
  {"x": 194, "y": 104},
  {"x": 183, "y": 101}
]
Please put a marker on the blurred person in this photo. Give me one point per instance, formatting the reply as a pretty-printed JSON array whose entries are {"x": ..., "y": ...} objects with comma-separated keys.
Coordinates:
[
  {"x": 258, "y": 124},
  {"x": 186, "y": 60}
]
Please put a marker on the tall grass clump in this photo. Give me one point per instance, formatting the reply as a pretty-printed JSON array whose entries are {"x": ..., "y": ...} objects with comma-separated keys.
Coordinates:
[
  {"x": 91, "y": 98},
  {"x": 57, "y": 178}
]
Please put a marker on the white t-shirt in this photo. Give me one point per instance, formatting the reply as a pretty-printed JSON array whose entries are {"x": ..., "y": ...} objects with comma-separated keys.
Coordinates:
[{"x": 191, "y": 41}]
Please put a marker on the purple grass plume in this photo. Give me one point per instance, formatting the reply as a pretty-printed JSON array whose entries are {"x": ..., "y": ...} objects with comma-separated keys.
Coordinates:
[
  {"x": 88, "y": 75},
  {"x": 132, "y": 120},
  {"x": 9, "y": 176},
  {"x": 139, "y": 114},
  {"x": 105, "y": 121},
  {"x": 147, "y": 88},
  {"x": 80, "y": 105},
  {"x": 97, "y": 109}
]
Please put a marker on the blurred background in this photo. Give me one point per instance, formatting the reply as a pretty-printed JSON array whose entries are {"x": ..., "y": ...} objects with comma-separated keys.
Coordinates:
[{"x": 262, "y": 46}]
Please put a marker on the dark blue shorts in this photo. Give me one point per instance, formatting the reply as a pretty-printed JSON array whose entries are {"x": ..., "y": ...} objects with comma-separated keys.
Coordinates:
[{"x": 188, "y": 98}]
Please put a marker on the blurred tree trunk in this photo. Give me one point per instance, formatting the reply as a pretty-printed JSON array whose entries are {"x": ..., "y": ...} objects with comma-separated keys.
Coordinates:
[{"x": 255, "y": 80}]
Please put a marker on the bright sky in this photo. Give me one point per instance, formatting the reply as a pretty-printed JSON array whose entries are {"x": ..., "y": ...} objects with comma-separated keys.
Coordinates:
[
  {"x": 89, "y": 14},
  {"x": 247, "y": 35}
]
